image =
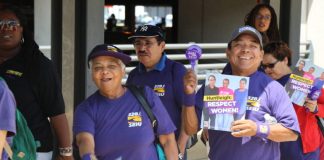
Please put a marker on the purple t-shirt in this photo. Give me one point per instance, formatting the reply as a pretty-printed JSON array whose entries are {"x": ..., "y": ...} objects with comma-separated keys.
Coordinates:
[
  {"x": 265, "y": 97},
  {"x": 121, "y": 127},
  {"x": 7, "y": 111},
  {"x": 167, "y": 82}
]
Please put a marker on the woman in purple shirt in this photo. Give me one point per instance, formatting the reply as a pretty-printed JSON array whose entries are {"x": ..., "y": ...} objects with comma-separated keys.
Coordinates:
[{"x": 111, "y": 123}]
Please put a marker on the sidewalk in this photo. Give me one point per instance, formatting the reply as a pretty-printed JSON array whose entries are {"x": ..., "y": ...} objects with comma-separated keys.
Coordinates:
[{"x": 198, "y": 152}]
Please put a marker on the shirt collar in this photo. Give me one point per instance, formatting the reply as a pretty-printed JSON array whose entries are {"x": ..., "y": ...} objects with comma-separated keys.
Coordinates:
[{"x": 159, "y": 66}]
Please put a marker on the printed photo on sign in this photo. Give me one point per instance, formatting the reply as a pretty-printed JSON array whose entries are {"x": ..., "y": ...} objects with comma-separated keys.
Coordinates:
[
  {"x": 305, "y": 82},
  {"x": 225, "y": 100}
]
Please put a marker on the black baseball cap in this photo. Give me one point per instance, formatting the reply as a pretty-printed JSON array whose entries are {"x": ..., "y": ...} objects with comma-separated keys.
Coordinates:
[
  {"x": 109, "y": 50},
  {"x": 147, "y": 31}
]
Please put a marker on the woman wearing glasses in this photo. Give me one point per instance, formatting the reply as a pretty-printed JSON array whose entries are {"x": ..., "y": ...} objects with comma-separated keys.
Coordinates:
[
  {"x": 276, "y": 62},
  {"x": 34, "y": 82},
  {"x": 263, "y": 18}
]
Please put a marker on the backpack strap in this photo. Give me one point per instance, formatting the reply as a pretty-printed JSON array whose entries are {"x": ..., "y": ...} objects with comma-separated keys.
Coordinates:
[
  {"x": 138, "y": 93},
  {"x": 8, "y": 149}
]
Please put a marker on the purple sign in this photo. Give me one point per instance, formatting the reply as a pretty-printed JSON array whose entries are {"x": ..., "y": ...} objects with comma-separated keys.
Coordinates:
[{"x": 193, "y": 53}]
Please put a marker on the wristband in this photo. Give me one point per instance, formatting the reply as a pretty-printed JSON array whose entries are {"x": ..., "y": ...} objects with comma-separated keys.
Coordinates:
[
  {"x": 89, "y": 156},
  {"x": 66, "y": 151},
  {"x": 262, "y": 130},
  {"x": 189, "y": 99},
  {"x": 316, "y": 109}
]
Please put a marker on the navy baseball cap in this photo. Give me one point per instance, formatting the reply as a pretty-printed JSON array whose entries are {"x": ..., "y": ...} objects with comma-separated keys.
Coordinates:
[
  {"x": 108, "y": 50},
  {"x": 247, "y": 30},
  {"x": 147, "y": 31}
]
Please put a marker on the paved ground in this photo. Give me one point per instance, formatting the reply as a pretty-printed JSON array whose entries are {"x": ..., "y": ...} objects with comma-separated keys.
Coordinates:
[{"x": 198, "y": 152}]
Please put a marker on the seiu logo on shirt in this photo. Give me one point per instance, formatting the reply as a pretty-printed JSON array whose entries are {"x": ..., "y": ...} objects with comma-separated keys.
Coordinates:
[
  {"x": 134, "y": 119},
  {"x": 253, "y": 103},
  {"x": 159, "y": 89}
]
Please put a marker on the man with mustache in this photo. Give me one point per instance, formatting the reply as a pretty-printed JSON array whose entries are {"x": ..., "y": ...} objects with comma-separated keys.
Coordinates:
[{"x": 163, "y": 75}]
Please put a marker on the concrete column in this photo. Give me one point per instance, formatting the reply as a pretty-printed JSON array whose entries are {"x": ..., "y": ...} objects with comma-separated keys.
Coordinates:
[
  {"x": 68, "y": 40},
  {"x": 294, "y": 28},
  {"x": 94, "y": 35},
  {"x": 42, "y": 22}
]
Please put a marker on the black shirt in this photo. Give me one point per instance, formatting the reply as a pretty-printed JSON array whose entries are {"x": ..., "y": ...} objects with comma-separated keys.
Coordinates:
[{"x": 38, "y": 97}]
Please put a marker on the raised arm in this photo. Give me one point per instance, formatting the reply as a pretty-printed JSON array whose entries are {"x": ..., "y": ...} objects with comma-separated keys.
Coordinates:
[{"x": 189, "y": 115}]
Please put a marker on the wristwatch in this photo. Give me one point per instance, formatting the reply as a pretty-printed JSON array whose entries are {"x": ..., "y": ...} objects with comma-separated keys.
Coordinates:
[
  {"x": 66, "y": 151},
  {"x": 180, "y": 155}
]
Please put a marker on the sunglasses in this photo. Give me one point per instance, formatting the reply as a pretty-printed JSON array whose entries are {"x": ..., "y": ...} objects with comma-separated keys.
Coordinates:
[
  {"x": 271, "y": 65},
  {"x": 8, "y": 24}
]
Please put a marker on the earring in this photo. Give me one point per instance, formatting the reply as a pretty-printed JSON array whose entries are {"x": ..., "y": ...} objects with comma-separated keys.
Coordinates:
[{"x": 22, "y": 40}]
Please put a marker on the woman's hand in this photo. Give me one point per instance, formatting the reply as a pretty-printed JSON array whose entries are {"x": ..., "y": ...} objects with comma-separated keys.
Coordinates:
[{"x": 311, "y": 105}]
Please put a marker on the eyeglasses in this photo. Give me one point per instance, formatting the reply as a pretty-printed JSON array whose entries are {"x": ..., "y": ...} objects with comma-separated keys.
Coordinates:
[
  {"x": 8, "y": 24},
  {"x": 266, "y": 17},
  {"x": 271, "y": 65},
  {"x": 147, "y": 44}
]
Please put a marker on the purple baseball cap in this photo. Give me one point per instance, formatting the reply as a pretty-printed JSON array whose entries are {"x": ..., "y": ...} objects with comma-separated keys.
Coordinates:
[
  {"x": 247, "y": 30},
  {"x": 109, "y": 50}
]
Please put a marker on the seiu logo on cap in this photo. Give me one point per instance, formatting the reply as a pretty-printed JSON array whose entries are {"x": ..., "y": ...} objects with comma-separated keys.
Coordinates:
[
  {"x": 111, "y": 49},
  {"x": 246, "y": 28},
  {"x": 144, "y": 28}
]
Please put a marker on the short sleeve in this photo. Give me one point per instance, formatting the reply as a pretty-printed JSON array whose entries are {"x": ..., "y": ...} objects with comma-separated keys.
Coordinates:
[
  {"x": 7, "y": 109},
  {"x": 83, "y": 119},
  {"x": 178, "y": 72},
  {"x": 281, "y": 106},
  {"x": 165, "y": 124}
]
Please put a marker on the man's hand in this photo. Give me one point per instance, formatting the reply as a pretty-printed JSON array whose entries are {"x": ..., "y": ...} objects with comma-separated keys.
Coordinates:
[
  {"x": 204, "y": 134},
  {"x": 190, "y": 82},
  {"x": 244, "y": 128}
]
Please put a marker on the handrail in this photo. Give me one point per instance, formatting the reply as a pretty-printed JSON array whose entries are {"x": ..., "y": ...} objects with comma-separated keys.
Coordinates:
[
  {"x": 209, "y": 54},
  {"x": 176, "y": 46}
]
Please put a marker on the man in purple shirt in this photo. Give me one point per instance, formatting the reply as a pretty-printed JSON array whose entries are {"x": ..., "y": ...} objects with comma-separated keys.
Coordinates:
[
  {"x": 270, "y": 117},
  {"x": 163, "y": 75},
  {"x": 7, "y": 116}
]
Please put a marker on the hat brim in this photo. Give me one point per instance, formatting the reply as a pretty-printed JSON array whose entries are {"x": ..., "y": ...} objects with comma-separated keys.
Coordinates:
[
  {"x": 249, "y": 33},
  {"x": 142, "y": 36},
  {"x": 123, "y": 57}
]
